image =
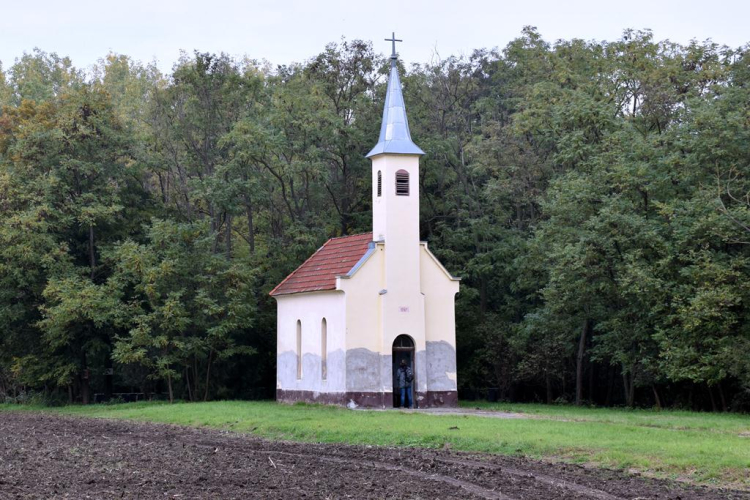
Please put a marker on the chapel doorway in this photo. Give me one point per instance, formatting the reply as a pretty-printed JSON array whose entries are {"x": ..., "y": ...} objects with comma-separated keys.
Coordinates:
[{"x": 403, "y": 348}]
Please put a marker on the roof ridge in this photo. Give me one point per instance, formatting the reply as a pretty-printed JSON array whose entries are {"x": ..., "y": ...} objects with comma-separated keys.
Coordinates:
[{"x": 347, "y": 236}]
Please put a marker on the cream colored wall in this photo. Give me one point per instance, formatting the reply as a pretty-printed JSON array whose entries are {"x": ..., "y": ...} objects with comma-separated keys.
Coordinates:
[
  {"x": 364, "y": 342},
  {"x": 311, "y": 308},
  {"x": 374, "y": 320},
  {"x": 440, "y": 291},
  {"x": 440, "y": 323},
  {"x": 363, "y": 321},
  {"x": 396, "y": 219}
]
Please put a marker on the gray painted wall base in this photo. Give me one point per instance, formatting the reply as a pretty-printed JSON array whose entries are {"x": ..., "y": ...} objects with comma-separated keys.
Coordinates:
[
  {"x": 429, "y": 399},
  {"x": 361, "y": 371}
]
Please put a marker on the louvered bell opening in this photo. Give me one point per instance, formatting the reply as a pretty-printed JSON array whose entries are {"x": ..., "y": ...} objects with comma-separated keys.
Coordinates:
[
  {"x": 380, "y": 184},
  {"x": 402, "y": 183}
]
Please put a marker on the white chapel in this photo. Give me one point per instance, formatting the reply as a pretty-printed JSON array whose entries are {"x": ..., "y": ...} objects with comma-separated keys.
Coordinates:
[{"x": 362, "y": 303}]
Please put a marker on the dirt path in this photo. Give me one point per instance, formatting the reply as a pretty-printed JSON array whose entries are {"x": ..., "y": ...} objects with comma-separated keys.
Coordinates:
[
  {"x": 45, "y": 456},
  {"x": 472, "y": 412}
]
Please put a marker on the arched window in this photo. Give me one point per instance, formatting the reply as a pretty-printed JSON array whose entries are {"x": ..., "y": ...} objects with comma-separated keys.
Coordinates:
[
  {"x": 403, "y": 342},
  {"x": 380, "y": 184},
  {"x": 402, "y": 183},
  {"x": 299, "y": 349},
  {"x": 324, "y": 349}
]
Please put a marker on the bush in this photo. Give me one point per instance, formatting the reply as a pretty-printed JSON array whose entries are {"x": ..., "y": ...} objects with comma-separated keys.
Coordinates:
[
  {"x": 35, "y": 398},
  {"x": 741, "y": 401}
]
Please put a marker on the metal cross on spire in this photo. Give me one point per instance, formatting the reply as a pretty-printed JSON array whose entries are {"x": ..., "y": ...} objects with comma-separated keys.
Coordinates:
[
  {"x": 393, "y": 40},
  {"x": 395, "y": 137}
]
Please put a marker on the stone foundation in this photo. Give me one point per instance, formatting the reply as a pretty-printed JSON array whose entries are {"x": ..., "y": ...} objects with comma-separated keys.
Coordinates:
[
  {"x": 438, "y": 399},
  {"x": 429, "y": 399}
]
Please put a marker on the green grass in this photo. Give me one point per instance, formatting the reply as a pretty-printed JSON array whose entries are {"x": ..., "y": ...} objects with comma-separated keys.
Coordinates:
[
  {"x": 667, "y": 419},
  {"x": 700, "y": 447}
]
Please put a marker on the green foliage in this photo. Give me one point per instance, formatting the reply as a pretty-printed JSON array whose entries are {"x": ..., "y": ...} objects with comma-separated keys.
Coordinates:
[
  {"x": 593, "y": 196},
  {"x": 180, "y": 303},
  {"x": 41, "y": 77}
]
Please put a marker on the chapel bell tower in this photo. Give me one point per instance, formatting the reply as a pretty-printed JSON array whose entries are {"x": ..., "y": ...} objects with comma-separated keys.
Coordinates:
[{"x": 395, "y": 186}]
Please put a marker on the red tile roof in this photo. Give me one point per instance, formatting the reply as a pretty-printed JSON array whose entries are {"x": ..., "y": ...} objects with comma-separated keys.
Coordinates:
[{"x": 337, "y": 256}]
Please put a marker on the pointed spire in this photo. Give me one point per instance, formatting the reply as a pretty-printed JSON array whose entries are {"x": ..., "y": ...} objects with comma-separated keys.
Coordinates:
[{"x": 395, "y": 137}]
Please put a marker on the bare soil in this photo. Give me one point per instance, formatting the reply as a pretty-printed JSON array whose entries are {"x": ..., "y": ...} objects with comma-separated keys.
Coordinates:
[{"x": 48, "y": 456}]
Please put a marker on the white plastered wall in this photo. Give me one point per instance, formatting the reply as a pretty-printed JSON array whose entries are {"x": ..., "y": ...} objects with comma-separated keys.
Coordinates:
[{"x": 310, "y": 309}]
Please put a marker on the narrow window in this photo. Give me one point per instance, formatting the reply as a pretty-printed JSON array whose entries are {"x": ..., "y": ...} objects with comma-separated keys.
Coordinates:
[
  {"x": 380, "y": 183},
  {"x": 299, "y": 349},
  {"x": 402, "y": 183},
  {"x": 324, "y": 349}
]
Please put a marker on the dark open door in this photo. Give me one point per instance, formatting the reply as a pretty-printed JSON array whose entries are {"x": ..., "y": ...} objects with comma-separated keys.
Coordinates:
[{"x": 403, "y": 348}]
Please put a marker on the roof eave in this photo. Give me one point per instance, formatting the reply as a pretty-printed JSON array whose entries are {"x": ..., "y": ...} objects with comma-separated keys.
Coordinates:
[
  {"x": 321, "y": 290},
  {"x": 395, "y": 148}
]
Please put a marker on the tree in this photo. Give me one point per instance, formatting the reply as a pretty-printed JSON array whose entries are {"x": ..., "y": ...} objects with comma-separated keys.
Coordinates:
[{"x": 186, "y": 306}]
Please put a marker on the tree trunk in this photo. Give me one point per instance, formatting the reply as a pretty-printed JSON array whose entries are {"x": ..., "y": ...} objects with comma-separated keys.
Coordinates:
[
  {"x": 187, "y": 383},
  {"x": 579, "y": 361},
  {"x": 85, "y": 394},
  {"x": 713, "y": 401},
  {"x": 208, "y": 374},
  {"x": 628, "y": 383},
  {"x": 108, "y": 376},
  {"x": 214, "y": 227},
  {"x": 169, "y": 385},
  {"x": 721, "y": 398},
  {"x": 250, "y": 224},
  {"x": 229, "y": 237},
  {"x": 610, "y": 384},
  {"x": 483, "y": 295},
  {"x": 195, "y": 377},
  {"x": 625, "y": 385},
  {"x": 631, "y": 394},
  {"x": 656, "y": 397},
  {"x": 85, "y": 388},
  {"x": 92, "y": 254},
  {"x": 548, "y": 383}
]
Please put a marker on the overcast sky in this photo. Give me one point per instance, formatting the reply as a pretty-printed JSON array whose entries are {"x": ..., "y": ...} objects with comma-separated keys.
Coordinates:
[{"x": 295, "y": 30}]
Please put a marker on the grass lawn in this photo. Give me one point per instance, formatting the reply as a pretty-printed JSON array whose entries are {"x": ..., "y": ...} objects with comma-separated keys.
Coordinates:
[{"x": 700, "y": 447}]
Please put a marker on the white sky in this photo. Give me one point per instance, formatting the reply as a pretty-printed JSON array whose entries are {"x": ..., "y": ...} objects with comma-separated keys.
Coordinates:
[{"x": 295, "y": 30}]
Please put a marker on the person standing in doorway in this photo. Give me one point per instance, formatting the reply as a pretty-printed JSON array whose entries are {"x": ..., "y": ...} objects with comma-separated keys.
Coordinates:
[{"x": 404, "y": 377}]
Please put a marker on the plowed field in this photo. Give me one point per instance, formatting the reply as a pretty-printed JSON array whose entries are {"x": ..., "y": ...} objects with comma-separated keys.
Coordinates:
[{"x": 48, "y": 456}]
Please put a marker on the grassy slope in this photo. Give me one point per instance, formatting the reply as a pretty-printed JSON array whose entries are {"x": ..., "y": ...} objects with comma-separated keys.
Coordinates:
[{"x": 696, "y": 446}]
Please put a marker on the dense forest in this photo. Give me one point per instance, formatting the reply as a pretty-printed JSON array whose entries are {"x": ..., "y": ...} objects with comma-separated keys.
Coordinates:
[{"x": 593, "y": 196}]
